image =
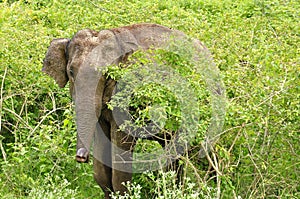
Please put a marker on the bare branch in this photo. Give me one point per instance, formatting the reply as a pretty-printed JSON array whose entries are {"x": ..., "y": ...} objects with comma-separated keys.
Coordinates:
[{"x": 1, "y": 103}]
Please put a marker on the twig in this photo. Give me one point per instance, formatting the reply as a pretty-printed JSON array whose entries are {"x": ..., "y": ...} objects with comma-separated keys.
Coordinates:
[
  {"x": 1, "y": 102},
  {"x": 211, "y": 162},
  {"x": 236, "y": 127},
  {"x": 218, "y": 176},
  {"x": 275, "y": 33},
  {"x": 199, "y": 179},
  {"x": 208, "y": 172},
  {"x": 275, "y": 92},
  {"x": 2, "y": 149},
  {"x": 266, "y": 139},
  {"x": 1, "y": 95},
  {"x": 236, "y": 137},
  {"x": 37, "y": 126},
  {"x": 19, "y": 117},
  {"x": 102, "y": 9},
  {"x": 107, "y": 11},
  {"x": 255, "y": 165},
  {"x": 53, "y": 101}
]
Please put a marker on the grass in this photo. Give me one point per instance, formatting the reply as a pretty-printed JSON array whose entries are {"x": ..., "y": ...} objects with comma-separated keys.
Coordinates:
[{"x": 255, "y": 44}]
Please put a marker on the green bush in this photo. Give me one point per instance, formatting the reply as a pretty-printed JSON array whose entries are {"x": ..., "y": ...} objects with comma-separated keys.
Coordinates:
[
  {"x": 164, "y": 186},
  {"x": 254, "y": 44}
]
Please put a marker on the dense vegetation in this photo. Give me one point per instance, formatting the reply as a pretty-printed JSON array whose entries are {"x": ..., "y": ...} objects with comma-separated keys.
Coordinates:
[{"x": 255, "y": 44}]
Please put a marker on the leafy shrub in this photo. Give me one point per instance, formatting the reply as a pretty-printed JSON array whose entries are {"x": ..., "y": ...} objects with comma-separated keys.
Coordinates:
[
  {"x": 164, "y": 186},
  {"x": 254, "y": 44}
]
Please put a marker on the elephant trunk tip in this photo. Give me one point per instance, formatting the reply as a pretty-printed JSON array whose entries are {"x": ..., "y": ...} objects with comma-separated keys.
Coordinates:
[{"x": 82, "y": 155}]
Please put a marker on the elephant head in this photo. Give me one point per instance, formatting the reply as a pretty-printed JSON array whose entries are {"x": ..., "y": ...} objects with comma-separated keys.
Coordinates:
[{"x": 80, "y": 60}]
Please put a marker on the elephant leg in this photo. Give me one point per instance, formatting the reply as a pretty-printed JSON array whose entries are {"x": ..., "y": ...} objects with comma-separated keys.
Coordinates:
[
  {"x": 178, "y": 168},
  {"x": 102, "y": 157},
  {"x": 121, "y": 159},
  {"x": 102, "y": 175},
  {"x": 173, "y": 164}
]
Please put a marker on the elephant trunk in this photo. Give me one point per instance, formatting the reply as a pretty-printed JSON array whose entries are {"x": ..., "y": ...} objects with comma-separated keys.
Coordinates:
[
  {"x": 89, "y": 87},
  {"x": 83, "y": 144},
  {"x": 86, "y": 119},
  {"x": 82, "y": 154}
]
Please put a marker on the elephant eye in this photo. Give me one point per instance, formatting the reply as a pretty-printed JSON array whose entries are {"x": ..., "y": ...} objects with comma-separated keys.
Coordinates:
[{"x": 71, "y": 72}]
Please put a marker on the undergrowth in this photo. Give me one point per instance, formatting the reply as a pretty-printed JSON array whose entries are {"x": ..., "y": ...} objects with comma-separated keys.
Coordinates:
[{"x": 255, "y": 44}]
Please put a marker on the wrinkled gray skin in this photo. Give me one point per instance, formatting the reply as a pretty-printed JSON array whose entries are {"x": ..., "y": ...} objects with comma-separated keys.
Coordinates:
[{"x": 68, "y": 60}]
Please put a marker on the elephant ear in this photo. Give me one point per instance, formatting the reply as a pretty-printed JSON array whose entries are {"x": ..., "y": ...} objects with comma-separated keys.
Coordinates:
[{"x": 55, "y": 62}]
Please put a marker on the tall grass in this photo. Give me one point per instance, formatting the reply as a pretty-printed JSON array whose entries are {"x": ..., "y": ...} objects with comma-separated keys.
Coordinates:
[{"x": 255, "y": 44}]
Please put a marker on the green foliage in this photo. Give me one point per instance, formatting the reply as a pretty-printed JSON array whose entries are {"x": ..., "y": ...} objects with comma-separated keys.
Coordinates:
[
  {"x": 164, "y": 186},
  {"x": 254, "y": 44},
  {"x": 154, "y": 97}
]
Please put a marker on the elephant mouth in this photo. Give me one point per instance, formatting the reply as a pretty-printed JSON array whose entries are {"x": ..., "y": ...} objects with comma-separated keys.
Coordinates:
[{"x": 82, "y": 155}]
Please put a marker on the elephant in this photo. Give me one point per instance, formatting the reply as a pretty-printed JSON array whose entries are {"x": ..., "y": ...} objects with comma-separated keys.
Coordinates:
[{"x": 75, "y": 61}]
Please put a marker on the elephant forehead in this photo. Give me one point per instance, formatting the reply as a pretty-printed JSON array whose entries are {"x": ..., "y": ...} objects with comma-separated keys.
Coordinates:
[
  {"x": 83, "y": 40},
  {"x": 78, "y": 54},
  {"x": 85, "y": 34},
  {"x": 96, "y": 51}
]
